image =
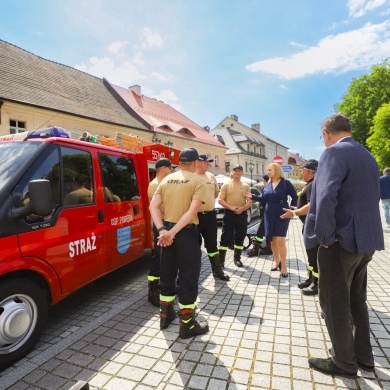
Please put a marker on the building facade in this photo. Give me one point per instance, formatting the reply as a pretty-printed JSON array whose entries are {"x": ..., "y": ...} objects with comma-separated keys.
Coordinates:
[
  {"x": 248, "y": 146},
  {"x": 37, "y": 93}
]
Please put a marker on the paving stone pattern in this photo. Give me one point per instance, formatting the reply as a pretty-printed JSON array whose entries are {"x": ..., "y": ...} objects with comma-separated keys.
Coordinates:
[{"x": 262, "y": 331}]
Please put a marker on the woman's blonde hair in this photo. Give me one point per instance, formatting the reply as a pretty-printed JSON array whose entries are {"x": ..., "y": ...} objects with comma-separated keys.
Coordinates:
[{"x": 278, "y": 170}]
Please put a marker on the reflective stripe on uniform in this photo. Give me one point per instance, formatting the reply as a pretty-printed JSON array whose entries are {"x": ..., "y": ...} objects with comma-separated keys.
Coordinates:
[
  {"x": 213, "y": 254},
  {"x": 166, "y": 298},
  {"x": 223, "y": 248}
]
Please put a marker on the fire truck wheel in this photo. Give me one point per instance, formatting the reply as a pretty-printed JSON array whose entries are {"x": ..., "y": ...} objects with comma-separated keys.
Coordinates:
[{"x": 23, "y": 314}]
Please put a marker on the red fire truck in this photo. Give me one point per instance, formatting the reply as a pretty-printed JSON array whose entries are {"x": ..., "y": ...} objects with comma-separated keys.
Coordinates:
[{"x": 70, "y": 212}]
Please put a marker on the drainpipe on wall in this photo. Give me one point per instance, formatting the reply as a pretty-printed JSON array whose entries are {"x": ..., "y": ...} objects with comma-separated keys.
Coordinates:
[{"x": 1, "y": 103}]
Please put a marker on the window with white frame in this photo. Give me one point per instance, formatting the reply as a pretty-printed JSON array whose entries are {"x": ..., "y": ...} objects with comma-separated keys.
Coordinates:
[
  {"x": 16, "y": 127},
  {"x": 216, "y": 161},
  {"x": 227, "y": 166}
]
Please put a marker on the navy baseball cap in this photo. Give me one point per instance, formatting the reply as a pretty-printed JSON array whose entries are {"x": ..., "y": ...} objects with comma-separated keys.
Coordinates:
[
  {"x": 188, "y": 155},
  {"x": 203, "y": 157},
  {"x": 164, "y": 162}
]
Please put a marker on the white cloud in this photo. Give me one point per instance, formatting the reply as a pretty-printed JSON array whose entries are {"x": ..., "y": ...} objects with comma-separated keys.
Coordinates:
[
  {"x": 125, "y": 74},
  {"x": 116, "y": 46},
  {"x": 152, "y": 38},
  {"x": 159, "y": 76},
  {"x": 297, "y": 44},
  {"x": 352, "y": 50},
  {"x": 139, "y": 58},
  {"x": 167, "y": 96},
  {"x": 359, "y": 8}
]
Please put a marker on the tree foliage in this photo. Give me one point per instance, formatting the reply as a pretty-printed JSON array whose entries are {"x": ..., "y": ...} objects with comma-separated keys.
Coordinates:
[
  {"x": 364, "y": 97},
  {"x": 379, "y": 140}
]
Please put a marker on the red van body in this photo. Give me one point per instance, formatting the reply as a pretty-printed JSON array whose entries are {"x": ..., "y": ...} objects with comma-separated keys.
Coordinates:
[{"x": 97, "y": 220}]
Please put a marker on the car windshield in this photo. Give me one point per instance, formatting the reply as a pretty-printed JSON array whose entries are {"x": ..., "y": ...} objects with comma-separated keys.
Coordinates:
[{"x": 12, "y": 156}]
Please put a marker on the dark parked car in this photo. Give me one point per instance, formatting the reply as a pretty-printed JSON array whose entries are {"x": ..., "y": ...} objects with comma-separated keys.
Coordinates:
[{"x": 254, "y": 211}]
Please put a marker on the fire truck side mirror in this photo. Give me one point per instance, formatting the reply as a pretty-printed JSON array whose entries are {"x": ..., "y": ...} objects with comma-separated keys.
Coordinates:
[
  {"x": 40, "y": 200},
  {"x": 40, "y": 197}
]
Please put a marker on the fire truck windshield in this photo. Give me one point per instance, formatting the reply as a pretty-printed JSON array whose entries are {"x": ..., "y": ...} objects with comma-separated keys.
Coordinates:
[{"x": 12, "y": 156}]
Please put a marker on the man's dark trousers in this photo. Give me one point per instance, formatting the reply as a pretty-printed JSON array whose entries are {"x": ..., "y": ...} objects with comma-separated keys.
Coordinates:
[
  {"x": 313, "y": 265},
  {"x": 208, "y": 229},
  {"x": 156, "y": 255},
  {"x": 234, "y": 229},
  {"x": 182, "y": 258},
  {"x": 343, "y": 276}
]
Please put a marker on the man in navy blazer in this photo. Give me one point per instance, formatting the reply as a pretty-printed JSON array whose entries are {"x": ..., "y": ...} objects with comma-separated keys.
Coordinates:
[{"x": 344, "y": 219}]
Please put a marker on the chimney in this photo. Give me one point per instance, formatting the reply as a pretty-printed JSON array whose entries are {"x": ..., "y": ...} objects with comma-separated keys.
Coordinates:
[
  {"x": 136, "y": 89},
  {"x": 234, "y": 117},
  {"x": 256, "y": 127}
]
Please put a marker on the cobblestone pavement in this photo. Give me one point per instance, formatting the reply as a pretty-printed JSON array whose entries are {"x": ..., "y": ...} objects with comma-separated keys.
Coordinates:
[{"x": 262, "y": 330}]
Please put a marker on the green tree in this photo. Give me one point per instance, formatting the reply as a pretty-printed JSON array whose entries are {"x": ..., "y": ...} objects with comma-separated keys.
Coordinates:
[
  {"x": 379, "y": 140},
  {"x": 364, "y": 97}
]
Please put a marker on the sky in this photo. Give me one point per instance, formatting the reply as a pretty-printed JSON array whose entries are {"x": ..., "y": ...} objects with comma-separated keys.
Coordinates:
[{"x": 281, "y": 63}]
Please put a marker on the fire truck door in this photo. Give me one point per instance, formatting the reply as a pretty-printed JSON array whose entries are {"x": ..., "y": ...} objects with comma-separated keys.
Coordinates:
[
  {"x": 71, "y": 239},
  {"x": 123, "y": 214}
]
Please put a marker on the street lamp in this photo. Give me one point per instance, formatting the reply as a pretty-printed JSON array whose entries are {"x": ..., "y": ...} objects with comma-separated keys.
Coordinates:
[
  {"x": 250, "y": 167},
  {"x": 170, "y": 151},
  {"x": 156, "y": 140}
]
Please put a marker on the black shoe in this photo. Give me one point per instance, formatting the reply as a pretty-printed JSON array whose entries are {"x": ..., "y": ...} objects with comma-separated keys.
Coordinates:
[
  {"x": 221, "y": 276},
  {"x": 253, "y": 252},
  {"x": 362, "y": 366},
  {"x": 327, "y": 366},
  {"x": 304, "y": 284},
  {"x": 238, "y": 263},
  {"x": 265, "y": 252},
  {"x": 277, "y": 268},
  {"x": 311, "y": 290}
]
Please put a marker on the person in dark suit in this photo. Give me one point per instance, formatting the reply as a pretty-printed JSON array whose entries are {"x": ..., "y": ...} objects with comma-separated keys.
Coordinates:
[{"x": 344, "y": 219}]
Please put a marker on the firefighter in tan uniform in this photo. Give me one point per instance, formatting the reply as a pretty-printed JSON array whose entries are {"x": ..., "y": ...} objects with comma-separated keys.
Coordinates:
[
  {"x": 182, "y": 194},
  {"x": 163, "y": 168},
  {"x": 234, "y": 225},
  {"x": 208, "y": 226}
]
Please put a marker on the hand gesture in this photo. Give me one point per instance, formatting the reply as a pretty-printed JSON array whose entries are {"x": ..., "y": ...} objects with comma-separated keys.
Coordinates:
[{"x": 165, "y": 238}]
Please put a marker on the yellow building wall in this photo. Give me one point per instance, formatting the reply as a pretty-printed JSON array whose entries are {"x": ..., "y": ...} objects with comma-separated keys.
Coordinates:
[{"x": 39, "y": 118}]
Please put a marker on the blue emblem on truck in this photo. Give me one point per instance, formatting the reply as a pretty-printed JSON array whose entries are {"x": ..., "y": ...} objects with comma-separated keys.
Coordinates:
[{"x": 123, "y": 239}]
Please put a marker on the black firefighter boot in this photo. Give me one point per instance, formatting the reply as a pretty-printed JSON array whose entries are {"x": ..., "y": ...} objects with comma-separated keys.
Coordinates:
[
  {"x": 266, "y": 251},
  {"x": 154, "y": 292},
  {"x": 189, "y": 327},
  {"x": 222, "y": 257},
  {"x": 167, "y": 313},
  {"x": 307, "y": 282},
  {"x": 255, "y": 249},
  {"x": 312, "y": 289},
  {"x": 237, "y": 257},
  {"x": 217, "y": 268}
]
